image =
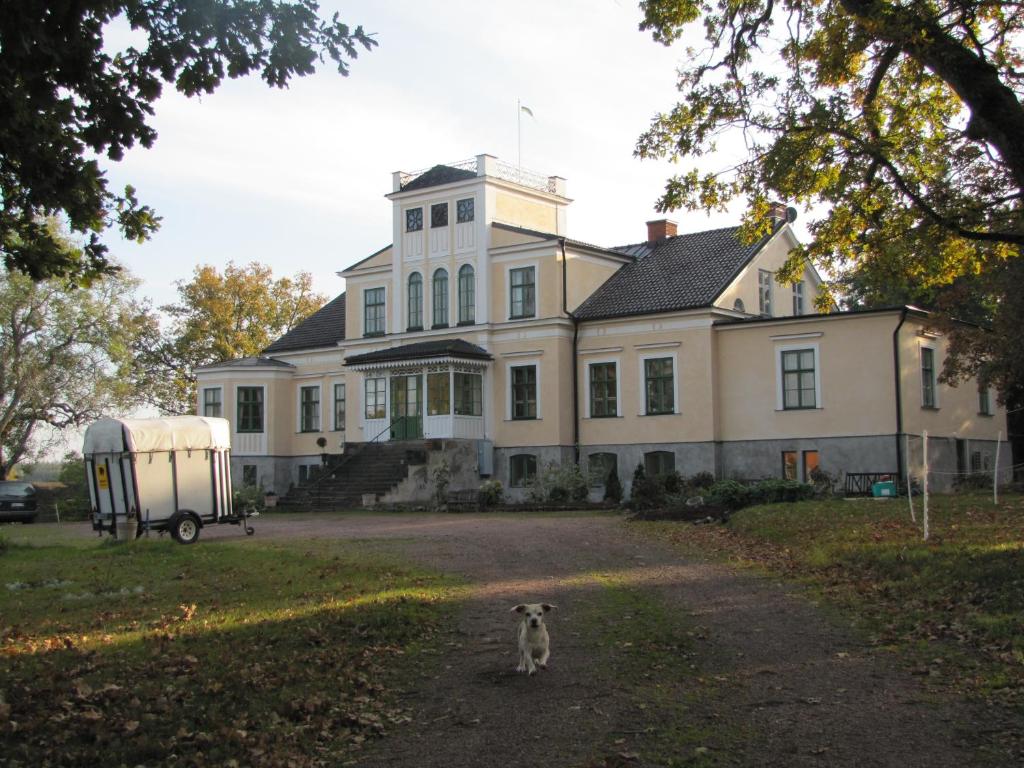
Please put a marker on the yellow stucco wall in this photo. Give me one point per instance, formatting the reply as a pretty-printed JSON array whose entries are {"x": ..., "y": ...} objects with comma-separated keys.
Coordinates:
[
  {"x": 956, "y": 414},
  {"x": 771, "y": 258},
  {"x": 627, "y": 344},
  {"x": 522, "y": 211}
]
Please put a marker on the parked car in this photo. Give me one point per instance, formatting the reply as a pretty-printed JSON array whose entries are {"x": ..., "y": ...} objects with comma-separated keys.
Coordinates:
[{"x": 17, "y": 502}]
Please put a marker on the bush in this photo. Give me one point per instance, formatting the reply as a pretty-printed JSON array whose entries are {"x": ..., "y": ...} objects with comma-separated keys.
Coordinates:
[
  {"x": 701, "y": 480},
  {"x": 672, "y": 482},
  {"x": 647, "y": 492},
  {"x": 613, "y": 487},
  {"x": 824, "y": 482},
  {"x": 780, "y": 491},
  {"x": 558, "y": 483},
  {"x": 729, "y": 494},
  {"x": 491, "y": 493}
]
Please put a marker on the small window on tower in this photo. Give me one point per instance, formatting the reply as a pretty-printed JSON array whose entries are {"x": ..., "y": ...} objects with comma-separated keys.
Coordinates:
[{"x": 439, "y": 215}]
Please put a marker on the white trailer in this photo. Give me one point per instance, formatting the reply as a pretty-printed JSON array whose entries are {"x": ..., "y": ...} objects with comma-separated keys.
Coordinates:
[{"x": 171, "y": 474}]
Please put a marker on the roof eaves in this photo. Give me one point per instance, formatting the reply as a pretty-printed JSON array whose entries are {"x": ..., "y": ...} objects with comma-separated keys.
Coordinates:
[{"x": 363, "y": 261}]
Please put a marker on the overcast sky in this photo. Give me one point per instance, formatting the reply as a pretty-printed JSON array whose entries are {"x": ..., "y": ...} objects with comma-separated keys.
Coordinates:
[{"x": 296, "y": 178}]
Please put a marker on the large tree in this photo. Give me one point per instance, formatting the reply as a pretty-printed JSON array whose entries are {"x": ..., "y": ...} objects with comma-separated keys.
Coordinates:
[
  {"x": 900, "y": 119},
  {"x": 67, "y": 100},
  {"x": 220, "y": 316},
  {"x": 66, "y": 355}
]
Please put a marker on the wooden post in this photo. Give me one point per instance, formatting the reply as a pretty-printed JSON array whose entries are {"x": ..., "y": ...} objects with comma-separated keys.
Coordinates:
[
  {"x": 924, "y": 472},
  {"x": 995, "y": 472},
  {"x": 906, "y": 461}
]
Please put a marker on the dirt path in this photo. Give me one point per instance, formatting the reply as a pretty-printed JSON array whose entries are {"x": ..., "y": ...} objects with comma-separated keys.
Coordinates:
[{"x": 775, "y": 683}]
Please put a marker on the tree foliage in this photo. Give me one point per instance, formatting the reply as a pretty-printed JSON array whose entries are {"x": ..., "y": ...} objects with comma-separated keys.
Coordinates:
[
  {"x": 66, "y": 355},
  {"x": 67, "y": 99},
  {"x": 902, "y": 119},
  {"x": 220, "y": 316}
]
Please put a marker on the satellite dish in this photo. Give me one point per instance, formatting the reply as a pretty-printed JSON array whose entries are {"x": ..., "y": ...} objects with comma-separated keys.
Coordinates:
[{"x": 790, "y": 214}]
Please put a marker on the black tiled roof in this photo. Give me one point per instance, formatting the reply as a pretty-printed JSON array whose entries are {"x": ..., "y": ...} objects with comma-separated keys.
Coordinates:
[
  {"x": 438, "y": 175},
  {"x": 248, "y": 362},
  {"x": 421, "y": 350},
  {"x": 324, "y": 328},
  {"x": 681, "y": 272}
]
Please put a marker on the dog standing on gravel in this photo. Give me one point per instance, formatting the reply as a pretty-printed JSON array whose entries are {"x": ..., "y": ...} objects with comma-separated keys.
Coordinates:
[{"x": 533, "y": 637}]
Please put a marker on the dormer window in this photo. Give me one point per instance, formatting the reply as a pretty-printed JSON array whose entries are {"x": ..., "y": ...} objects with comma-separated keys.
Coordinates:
[
  {"x": 439, "y": 215},
  {"x": 414, "y": 220},
  {"x": 464, "y": 211}
]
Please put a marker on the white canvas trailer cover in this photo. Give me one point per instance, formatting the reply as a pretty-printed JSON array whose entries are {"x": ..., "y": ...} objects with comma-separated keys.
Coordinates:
[{"x": 160, "y": 474}]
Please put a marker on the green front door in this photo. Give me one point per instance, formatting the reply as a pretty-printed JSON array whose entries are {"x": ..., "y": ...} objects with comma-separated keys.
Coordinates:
[{"x": 406, "y": 407}]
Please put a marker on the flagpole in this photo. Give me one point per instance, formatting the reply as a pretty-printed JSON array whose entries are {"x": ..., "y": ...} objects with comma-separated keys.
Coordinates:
[{"x": 519, "y": 136}]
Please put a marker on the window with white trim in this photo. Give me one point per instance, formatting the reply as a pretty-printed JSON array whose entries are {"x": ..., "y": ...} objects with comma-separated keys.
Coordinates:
[
  {"x": 659, "y": 386},
  {"x": 469, "y": 394},
  {"x": 928, "y": 399},
  {"x": 250, "y": 409},
  {"x": 415, "y": 302},
  {"x": 375, "y": 392},
  {"x": 339, "y": 407},
  {"x": 604, "y": 402},
  {"x": 212, "y": 402},
  {"x": 798, "y": 298},
  {"x": 373, "y": 312},
  {"x": 984, "y": 401},
  {"x": 467, "y": 295},
  {"x": 441, "y": 298},
  {"x": 799, "y": 383},
  {"x": 764, "y": 292},
  {"x": 414, "y": 220},
  {"x": 523, "y": 293},
  {"x": 523, "y": 388},
  {"x": 309, "y": 409}
]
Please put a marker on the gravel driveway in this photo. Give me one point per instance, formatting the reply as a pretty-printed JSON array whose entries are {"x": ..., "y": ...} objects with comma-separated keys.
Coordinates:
[{"x": 798, "y": 688}]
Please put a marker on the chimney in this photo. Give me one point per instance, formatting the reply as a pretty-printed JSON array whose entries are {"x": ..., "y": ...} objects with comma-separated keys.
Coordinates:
[
  {"x": 660, "y": 229},
  {"x": 779, "y": 213}
]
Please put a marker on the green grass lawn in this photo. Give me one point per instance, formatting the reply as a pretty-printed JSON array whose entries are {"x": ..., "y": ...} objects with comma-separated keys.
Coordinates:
[
  {"x": 953, "y": 606},
  {"x": 226, "y": 653}
]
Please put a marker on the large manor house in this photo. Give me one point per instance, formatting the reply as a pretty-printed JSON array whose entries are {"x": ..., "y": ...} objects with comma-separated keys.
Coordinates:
[{"x": 486, "y": 333}]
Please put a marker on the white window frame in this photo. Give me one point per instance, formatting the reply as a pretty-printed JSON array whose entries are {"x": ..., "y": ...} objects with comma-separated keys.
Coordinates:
[
  {"x": 334, "y": 412},
  {"x": 508, "y": 289},
  {"x": 202, "y": 400},
  {"x": 780, "y": 392},
  {"x": 363, "y": 418},
  {"x": 798, "y": 298},
  {"x": 618, "y": 384},
  {"x": 988, "y": 401},
  {"x": 521, "y": 363},
  {"x": 423, "y": 300},
  {"x": 234, "y": 421},
  {"x": 642, "y": 388},
  {"x": 761, "y": 303},
  {"x": 298, "y": 408},
  {"x": 935, "y": 374},
  {"x": 362, "y": 314}
]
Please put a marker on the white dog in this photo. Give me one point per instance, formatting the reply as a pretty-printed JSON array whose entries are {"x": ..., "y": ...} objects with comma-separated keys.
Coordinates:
[{"x": 533, "y": 637}]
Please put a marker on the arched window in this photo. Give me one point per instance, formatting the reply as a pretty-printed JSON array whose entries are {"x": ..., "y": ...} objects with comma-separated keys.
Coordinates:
[
  {"x": 659, "y": 463},
  {"x": 601, "y": 465},
  {"x": 440, "y": 298},
  {"x": 467, "y": 295},
  {"x": 738, "y": 305},
  {"x": 522, "y": 468},
  {"x": 415, "y": 301}
]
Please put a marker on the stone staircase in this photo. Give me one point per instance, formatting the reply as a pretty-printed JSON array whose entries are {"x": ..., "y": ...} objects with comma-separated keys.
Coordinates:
[{"x": 368, "y": 468}]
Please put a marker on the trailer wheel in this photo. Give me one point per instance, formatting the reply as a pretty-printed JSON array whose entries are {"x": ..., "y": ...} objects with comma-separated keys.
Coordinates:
[{"x": 185, "y": 528}]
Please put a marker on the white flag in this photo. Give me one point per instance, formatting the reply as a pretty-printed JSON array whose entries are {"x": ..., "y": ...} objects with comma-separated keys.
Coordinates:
[{"x": 527, "y": 110}]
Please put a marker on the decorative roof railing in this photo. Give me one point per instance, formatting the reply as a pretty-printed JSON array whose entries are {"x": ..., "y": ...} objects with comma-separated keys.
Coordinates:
[
  {"x": 523, "y": 177},
  {"x": 496, "y": 168}
]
